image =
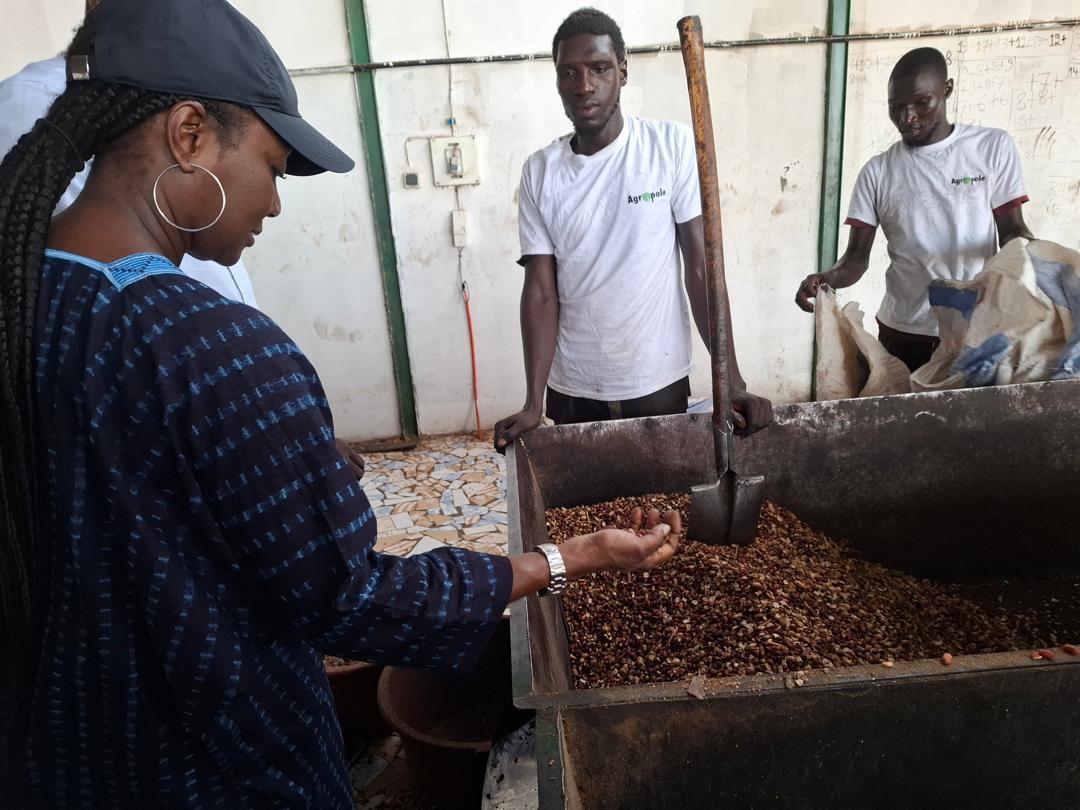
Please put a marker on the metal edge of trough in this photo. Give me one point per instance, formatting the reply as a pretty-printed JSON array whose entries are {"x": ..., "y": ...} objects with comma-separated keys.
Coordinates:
[
  {"x": 521, "y": 668},
  {"x": 736, "y": 686},
  {"x": 887, "y": 410}
]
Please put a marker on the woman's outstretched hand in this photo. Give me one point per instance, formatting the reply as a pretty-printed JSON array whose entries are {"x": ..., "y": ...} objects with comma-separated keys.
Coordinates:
[{"x": 605, "y": 550}]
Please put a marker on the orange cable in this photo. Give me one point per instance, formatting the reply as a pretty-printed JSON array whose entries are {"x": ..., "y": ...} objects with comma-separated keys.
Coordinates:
[{"x": 472, "y": 349}]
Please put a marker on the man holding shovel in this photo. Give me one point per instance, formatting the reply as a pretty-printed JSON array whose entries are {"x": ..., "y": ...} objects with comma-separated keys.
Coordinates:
[{"x": 604, "y": 214}]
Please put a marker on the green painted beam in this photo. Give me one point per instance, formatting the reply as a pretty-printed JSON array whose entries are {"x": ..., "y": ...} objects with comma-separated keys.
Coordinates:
[
  {"x": 380, "y": 201},
  {"x": 833, "y": 157}
]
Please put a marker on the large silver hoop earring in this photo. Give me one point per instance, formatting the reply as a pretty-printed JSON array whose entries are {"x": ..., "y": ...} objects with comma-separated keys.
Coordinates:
[{"x": 161, "y": 213}]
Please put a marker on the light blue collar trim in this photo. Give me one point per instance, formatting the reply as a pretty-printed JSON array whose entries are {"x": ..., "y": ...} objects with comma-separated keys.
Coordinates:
[
  {"x": 123, "y": 272},
  {"x": 74, "y": 257}
]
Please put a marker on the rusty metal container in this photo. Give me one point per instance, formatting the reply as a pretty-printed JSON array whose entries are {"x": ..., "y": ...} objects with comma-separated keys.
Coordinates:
[{"x": 967, "y": 486}]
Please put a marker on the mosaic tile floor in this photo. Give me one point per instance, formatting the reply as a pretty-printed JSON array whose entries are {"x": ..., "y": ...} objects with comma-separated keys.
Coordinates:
[{"x": 448, "y": 490}]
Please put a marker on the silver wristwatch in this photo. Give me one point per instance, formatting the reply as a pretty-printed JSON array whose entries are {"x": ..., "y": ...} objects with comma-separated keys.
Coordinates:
[{"x": 556, "y": 566}]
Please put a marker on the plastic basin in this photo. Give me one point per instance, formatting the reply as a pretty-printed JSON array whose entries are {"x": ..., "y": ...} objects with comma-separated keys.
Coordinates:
[{"x": 447, "y": 723}]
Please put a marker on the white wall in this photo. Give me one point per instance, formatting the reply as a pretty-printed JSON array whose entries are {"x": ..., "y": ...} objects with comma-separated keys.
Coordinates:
[{"x": 33, "y": 31}]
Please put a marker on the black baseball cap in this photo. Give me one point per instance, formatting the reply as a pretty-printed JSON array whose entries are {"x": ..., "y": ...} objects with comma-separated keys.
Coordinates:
[{"x": 208, "y": 49}]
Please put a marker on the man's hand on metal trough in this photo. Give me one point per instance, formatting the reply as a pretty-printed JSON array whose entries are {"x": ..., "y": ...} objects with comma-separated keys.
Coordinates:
[
  {"x": 508, "y": 429},
  {"x": 751, "y": 413}
]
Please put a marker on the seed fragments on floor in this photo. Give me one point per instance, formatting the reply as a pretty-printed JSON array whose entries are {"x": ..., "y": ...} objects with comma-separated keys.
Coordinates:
[{"x": 793, "y": 600}]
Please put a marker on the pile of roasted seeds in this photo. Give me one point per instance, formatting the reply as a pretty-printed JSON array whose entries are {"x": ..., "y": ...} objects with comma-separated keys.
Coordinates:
[{"x": 793, "y": 600}]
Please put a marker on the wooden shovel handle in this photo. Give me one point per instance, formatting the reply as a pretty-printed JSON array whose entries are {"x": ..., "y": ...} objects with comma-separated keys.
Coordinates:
[{"x": 693, "y": 51}]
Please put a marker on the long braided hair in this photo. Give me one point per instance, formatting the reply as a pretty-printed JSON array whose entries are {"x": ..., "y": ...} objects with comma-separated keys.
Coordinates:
[{"x": 83, "y": 121}]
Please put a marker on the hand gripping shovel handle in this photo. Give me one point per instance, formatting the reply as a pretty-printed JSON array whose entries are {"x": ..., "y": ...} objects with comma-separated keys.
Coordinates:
[{"x": 693, "y": 51}]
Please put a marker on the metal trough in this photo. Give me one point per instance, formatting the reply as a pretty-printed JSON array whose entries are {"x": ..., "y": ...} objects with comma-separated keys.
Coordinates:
[{"x": 971, "y": 486}]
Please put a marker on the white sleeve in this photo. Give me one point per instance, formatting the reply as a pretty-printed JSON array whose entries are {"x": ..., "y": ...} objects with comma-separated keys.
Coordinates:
[
  {"x": 532, "y": 230},
  {"x": 864, "y": 196},
  {"x": 23, "y": 103},
  {"x": 1008, "y": 173},
  {"x": 686, "y": 197},
  {"x": 24, "y": 100}
]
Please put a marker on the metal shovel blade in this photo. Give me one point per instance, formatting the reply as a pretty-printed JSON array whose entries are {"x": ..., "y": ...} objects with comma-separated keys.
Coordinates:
[{"x": 727, "y": 510}]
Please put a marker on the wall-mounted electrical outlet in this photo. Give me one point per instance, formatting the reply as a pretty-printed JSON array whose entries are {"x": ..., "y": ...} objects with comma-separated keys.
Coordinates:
[{"x": 457, "y": 228}]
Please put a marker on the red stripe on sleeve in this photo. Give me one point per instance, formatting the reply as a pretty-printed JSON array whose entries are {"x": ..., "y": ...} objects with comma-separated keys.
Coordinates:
[
  {"x": 858, "y": 223},
  {"x": 1011, "y": 204}
]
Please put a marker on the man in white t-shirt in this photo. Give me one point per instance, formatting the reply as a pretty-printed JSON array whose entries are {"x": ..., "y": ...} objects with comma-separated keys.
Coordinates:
[
  {"x": 604, "y": 214},
  {"x": 946, "y": 196}
]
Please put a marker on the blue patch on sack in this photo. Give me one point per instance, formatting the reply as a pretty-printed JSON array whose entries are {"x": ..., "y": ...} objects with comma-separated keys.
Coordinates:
[
  {"x": 1061, "y": 284},
  {"x": 979, "y": 363},
  {"x": 943, "y": 295}
]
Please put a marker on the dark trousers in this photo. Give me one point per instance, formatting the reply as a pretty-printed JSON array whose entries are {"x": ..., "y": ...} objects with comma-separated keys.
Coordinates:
[
  {"x": 914, "y": 350},
  {"x": 566, "y": 410}
]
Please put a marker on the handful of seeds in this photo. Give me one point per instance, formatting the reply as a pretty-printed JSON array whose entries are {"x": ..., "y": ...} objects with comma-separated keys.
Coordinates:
[{"x": 792, "y": 600}]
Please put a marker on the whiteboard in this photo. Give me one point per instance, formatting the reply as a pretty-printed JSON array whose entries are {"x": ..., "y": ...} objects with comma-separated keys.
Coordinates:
[{"x": 1025, "y": 82}]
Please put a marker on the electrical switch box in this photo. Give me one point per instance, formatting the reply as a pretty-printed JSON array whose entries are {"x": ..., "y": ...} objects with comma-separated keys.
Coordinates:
[
  {"x": 455, "y": 160},
  {"x": 457, "y": 228}
]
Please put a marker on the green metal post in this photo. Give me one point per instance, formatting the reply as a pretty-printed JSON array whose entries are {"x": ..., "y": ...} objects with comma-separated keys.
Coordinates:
[
  {"x": 833, "y": 158},
  {"x": 832, "y": 161},
  {"x": 380, "y": 201}
]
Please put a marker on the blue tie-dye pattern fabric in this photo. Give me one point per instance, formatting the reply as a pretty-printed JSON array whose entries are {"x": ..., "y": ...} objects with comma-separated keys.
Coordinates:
[
  {"x": 1062, "y": 286},
  {"x": 979, "y": 364},
  {"x": 208, "y": 542}
]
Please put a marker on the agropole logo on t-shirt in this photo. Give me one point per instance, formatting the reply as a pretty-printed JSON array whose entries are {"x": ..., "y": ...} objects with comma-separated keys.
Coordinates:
[
  {"x": 647, "y": 196},
  {"x": 969, "y": 180}
]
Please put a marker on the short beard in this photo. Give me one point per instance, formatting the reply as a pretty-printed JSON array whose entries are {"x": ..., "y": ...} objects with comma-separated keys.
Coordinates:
[{"x": 598, "y": 128}]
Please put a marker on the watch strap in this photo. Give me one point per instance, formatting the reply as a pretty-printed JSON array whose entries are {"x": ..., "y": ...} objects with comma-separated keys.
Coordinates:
[{"x": 556, "y": 566}]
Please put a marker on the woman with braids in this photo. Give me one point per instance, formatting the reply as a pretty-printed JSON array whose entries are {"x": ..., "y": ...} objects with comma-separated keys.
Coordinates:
[
  {"x": 181, "y": 539},
  {"x": 26, "y": 96}
]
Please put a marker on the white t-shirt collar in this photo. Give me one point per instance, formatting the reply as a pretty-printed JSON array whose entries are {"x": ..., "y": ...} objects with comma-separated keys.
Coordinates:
[{"x": 610, "y": 149}]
